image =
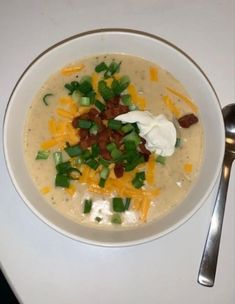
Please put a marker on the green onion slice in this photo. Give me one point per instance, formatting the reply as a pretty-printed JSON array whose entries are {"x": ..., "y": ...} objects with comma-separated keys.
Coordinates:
[
  {"x": 138, "y": 180},
  {"x": 58, "y": 158},
  {"x": 42, "y": 155},
  {"x": 127, "y": 203},
  {"x": 161, "y": 159},
  {"x": 45, "y": 98},
  {"x": 85, "y": 101},
  {"x": 101, "y": 67},
  {"x": 118, "y": 205},
  {"x": 116, "y": 219},
  {"x": 62, "y": 180},
  {"x": 87, "y": 206},
  {"x": 73, "y": 151},
  {"x": 84, "y": 123},
  {"x": 114, "y": 124},
  {"x": 92, "y": 163},
  {"x": 100, "y": 105}
]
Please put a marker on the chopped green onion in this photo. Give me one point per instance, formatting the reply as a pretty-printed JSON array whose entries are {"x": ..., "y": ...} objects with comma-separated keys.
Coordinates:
[
  {"x": 161, "y": 159},
  {"x": 63, "y": 167},
  {"x": 133, "y": 107},
  {"x": 111, "y": 146},
  {"x": 115, "y": 153},
  {"x": 104, "y": 162},
  {"x": 94, "y": 129},
  {"x": 85, "y": 101},
  {"x": 116, "y": 87},
  {"x": 138, "y": 180},
  {"x": 116, "y": 219},
  {"x": 87, "y": 206},
  {"x": 100, "y": 105},
  {"x": 75, "y": 96},
  {"x": 85, "y": 87},
  {"x": 114, "y": 124},
  {"x": 42, "y": 155},
  {"x": 91, "y": 95},
  {"x": 105, "y": 91},
  {"x": 102, "y": 182},
  {"x": 124, "y": 82},
  {"x": 112, "y": 69},
  {"x": 86, "y": 154},
  {"x": 133, "y": 136},
  {"x": 95, "y": 150},
  {"x": 45, "y": 98},
  {"x": 101, "y": 67},
  {"x": 104, "y": 173},
  {"x": 127, "y": 128},
  {"x": 58, "y": 158},
  {"x": 134, "y": 163},
  {"x": 178, "y": 142},
  {"x": 98, "y": 219},
  {"x": 73, "y": 151},
  {"x": 84, "y": 123},
  {"x": 130, "y": 145},
  {"x": 127, "y": 203},
  {"x": 92, "y": 163},
  {"x": 71, "y": 87},
  {"x": 126, "y": 100},
  {"x": 62, "y": 180},
  {"x": 118, "y": 205}
]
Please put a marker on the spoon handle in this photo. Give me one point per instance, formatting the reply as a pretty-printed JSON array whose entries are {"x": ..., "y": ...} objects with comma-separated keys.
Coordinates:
[{"x": 207, "y": 271}]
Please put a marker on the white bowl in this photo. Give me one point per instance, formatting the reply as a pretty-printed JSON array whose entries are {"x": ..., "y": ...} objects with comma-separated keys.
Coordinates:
[{"x": 137, "y": 43}]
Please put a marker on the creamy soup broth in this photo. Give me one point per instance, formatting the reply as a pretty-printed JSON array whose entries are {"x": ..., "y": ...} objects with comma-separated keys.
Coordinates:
[{"x": 174, "y": 179}]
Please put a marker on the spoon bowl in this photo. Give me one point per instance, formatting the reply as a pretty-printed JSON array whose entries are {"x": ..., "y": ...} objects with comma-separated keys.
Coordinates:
[
  {"x": 229, "y": 119},
  {"x": 208, "y": 265}
]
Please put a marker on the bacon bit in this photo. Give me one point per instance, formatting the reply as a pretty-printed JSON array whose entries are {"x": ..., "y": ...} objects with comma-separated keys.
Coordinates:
[
  {"x": 93, "y": 113},
  {"x": 75, "y": 122},
  {"x": 117, "y": 137},
  {"x": 187, "y": 120},
  {"x": 105, "y": 154},
  {"x": 143, "y": 149},
  {"x": 118, "y": 170},
  {"x": 145, "y": 155},
  {"x": 83, "y": 133},
  {"x": 84, "y": 144},
  {"x": 114, "y": 101},
  {"x": 104, "y": 135}
]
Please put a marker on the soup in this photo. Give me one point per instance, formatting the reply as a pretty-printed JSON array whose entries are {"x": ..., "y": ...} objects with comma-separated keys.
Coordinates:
[{"x": 113, "y": 140}]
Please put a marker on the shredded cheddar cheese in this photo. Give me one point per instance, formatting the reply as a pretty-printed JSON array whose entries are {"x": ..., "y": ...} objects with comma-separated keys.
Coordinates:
[
  {"x": 71, "y": 190},
  {"x": 45, "y": 190},
  {"x": 153, "y": 73},
  {"x": 187, "y": 100},
  {"x": 138, "y": 100},
  {"x": 150, "y": 169},
  {"x": 71, "y": 70},
  {"x": 188, "y": 168},
  {"x": 171, "y": 106}
]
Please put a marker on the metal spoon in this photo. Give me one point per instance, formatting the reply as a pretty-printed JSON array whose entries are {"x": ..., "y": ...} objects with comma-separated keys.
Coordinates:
[{"x": 207, "y": 271}]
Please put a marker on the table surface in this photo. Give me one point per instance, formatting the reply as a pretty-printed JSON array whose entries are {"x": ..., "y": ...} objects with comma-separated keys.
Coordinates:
[{"x": 43, "y": 266}]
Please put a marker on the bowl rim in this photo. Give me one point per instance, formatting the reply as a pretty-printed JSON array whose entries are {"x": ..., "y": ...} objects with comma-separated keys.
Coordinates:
[{"x": 63, "y": 232}]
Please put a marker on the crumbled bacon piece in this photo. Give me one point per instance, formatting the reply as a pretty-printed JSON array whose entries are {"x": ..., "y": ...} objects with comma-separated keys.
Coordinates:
[
  {"x": 187, "y": 120},
  {"x": 118, "y": 170},
  {"x": 105, "y": 154}
]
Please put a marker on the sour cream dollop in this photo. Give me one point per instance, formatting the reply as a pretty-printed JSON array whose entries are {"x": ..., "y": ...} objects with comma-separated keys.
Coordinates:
[{"x": 158, "y": 131}]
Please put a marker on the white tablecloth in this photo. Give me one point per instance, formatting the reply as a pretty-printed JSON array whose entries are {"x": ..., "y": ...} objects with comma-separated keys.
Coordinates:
[{"x": 43, "y": 266}]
